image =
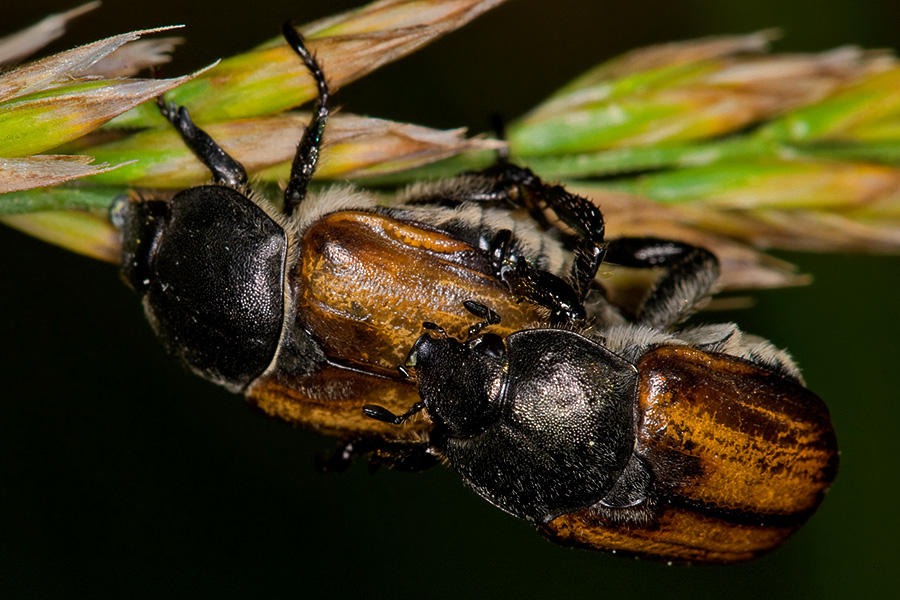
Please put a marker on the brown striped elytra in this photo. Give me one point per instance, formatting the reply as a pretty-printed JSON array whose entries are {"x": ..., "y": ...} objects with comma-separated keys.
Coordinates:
[
  {"x": 757, "y": 443},
  {"x": 742, "y": 456}
]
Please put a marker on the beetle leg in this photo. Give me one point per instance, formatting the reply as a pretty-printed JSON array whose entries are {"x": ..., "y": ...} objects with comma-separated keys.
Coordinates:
[
  {"x": 690, "y": 273},
  {"x": 506, "y": 183},
  {"x": 402, "y": 457},
  {"x": 523, "y": 188},
  {"x": 225, "y": 169},
  {"x": 410, "y": 457},
  {"x": 632, "y": 487},
  {"x": 540, "y": 287},
  {"x": 511, "y": 185},
  {"x": 307, "y": 155}
]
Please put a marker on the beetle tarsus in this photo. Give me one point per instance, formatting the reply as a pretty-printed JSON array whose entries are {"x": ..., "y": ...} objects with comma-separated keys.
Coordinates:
[{"x": 521, "y": 187}]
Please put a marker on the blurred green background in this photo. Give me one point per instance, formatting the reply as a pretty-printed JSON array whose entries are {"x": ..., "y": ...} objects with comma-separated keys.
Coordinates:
[{"x": 123, "y": 475}]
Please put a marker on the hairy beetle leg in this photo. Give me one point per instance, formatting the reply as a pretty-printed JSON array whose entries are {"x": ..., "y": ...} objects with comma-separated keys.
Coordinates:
[
  {"x": 690, "y": 273},
  {"x": 514, "y": 186}
]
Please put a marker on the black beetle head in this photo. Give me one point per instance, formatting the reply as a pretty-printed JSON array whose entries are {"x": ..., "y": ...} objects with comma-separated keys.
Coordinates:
[
  {"x": 462, "y": 384},
  {"x": 540, "y": 423},
  {"x": 210, "y": 266}
]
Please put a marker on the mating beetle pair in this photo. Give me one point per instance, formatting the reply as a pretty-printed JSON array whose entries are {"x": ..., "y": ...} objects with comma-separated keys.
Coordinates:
[{"x": 696, "y": 445}]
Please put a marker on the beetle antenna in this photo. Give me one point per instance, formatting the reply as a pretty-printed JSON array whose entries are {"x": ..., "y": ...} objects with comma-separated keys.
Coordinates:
[
  {"x": 433, "y": 327},
  {"x": 380, "y": 413},
  {"x": 307, "y": 156},
  {"x": 480, "y": 310}
]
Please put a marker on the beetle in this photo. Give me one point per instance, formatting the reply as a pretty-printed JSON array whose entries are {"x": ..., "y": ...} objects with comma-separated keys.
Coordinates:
[
  {"x": 693, "y": 445},
  {"x": 307, "y": 309}
]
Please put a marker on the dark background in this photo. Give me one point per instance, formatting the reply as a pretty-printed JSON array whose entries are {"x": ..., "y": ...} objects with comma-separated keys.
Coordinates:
[{"x": 123, "y": 475}]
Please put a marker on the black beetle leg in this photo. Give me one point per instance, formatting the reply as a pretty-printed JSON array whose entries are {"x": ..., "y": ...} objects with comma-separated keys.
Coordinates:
[
  {"x": 402, "y": 457},
  {"x": 690, "y": 273},
  {"x": 409, "y": 457},
  {"x": 307, "y": 155},
  {"x": 224, "y": 168},
  {"x": 380, "y": 413},
  {"x": 540, "y": 287},
  {"x": 521, "y": 187},
  {"x": 575, "y": 211}
]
